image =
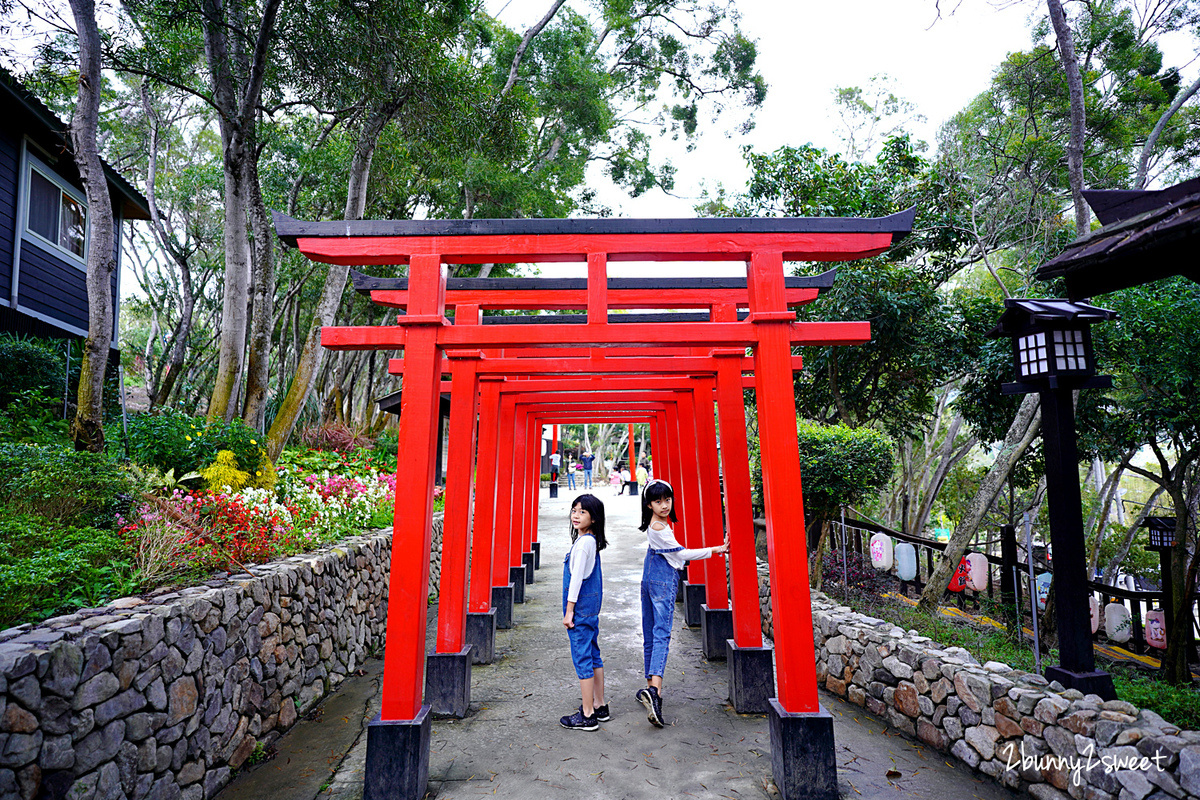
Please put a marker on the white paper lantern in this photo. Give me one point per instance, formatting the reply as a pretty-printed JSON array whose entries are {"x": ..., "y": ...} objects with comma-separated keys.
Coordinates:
[
  {"x": 906, "y": 561},
  {"x": 881, "y": 551},
  {"x": 1116, "y": 622}
]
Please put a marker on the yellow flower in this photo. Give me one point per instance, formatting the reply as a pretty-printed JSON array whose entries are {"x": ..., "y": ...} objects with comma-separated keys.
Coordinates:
[
  {"x": 258, "y": 472},
  {"x": 253, "y": 442},
  {"x": 188, "y": 438}
]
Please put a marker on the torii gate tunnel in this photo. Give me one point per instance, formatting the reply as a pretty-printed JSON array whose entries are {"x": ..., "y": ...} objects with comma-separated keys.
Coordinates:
[{"x": 510, "y": 375}]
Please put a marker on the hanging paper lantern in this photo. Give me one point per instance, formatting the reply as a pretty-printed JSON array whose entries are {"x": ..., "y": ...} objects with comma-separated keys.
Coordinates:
[
  {"x": 977, "y": 572},
  {"x": 881, "y": 551},
  {"x": 1043, "y": 590},
  {"x": 906, "y": 561},
  {"x": 1116, "y": 622},
  {"x": 961, "y": 573},
  {"x": 1156, "y": 629},
  {"x": 1094, "y": 612}
]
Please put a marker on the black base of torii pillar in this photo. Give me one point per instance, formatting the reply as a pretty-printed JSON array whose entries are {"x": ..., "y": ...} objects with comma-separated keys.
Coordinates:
[
  {"x": 751, "y": 677},
  {"x": 803, "y": 762},
  {"x": 397, "y": 765}
]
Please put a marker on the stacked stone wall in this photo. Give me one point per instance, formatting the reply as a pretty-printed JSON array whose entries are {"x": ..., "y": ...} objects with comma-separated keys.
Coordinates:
[
  {"x": 165, "y": 697},
  {"x": 1013, "y": 726}
]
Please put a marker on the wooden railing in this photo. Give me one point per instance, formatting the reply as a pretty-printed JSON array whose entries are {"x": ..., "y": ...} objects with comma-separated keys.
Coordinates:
[{"x": 1000, "y": 578}]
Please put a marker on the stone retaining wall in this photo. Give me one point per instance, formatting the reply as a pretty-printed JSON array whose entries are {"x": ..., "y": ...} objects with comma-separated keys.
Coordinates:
[
  {"x": 1010, "y": 725},
  {"x": 165, "y": 697}
]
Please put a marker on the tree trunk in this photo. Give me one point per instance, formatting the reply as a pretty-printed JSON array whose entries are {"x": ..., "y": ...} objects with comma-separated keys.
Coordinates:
[
  {"x": 262, "y": 302},
  {"x": 236, "y": 96},
  {"x": 1070, "y": 64},
  {"x": 87, "y": 429},
  {"x": 308, "y": 364},
  {"x": 1021, "y": 432}
]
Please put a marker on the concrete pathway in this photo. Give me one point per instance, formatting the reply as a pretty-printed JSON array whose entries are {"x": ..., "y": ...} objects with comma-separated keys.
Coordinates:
[{"x": 511, "y": 744}]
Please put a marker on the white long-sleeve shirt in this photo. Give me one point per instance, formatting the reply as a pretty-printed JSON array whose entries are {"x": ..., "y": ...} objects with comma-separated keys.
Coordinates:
[
  {"x": 582, "y": 562},
  {"x": 665, "y": 539}
]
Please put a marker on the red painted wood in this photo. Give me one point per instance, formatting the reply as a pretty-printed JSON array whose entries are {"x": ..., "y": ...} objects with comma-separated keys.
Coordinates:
[
  {"x": 377, "y": 250},
  {"x": 504, "y": 482},
  {"x": 408, "y": 582},
  {"x": 710, "y": 334},
  {"x": 482, "y": 542},
  {"x": 735, "y": 458},
  {"x": 717, "y": 593},
  {"x": 456, "y": 521},
  {"x": 786, "y": 544},
  {"x": 576, "y": 299}
]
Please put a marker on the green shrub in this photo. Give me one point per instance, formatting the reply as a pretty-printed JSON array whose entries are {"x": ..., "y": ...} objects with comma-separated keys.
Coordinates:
[
  {"x": 58, "y": 483},
  {"x": 29, "y": 363},
  {"x": 47, "y": 569},
  {"x": 387, "y": 445},
  {"x": 172, "y": 440},
  {"x": 168, "y": 440},
  {"x": 223, "y": 474},
  {"x": 33, "y": 418}
]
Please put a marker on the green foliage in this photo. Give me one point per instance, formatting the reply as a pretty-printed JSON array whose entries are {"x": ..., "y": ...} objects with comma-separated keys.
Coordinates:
[
  {"x": 172, "y": 440},
  {"x": 60, "y": 484},
  {"x": 33, "y": 418},
  {"x": 28, "y": 364},
  {"x": 47, "y": 569},
  {"x": 223, "y": 474},
  {"x": 1178, "y": 705},
  {"x": 839, "y": 465}
]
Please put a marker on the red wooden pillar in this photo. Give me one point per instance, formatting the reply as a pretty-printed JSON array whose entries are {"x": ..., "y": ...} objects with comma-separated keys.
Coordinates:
[
  {"x": 502, "y": 588},
  {"x": 716, "y": 595},
  {"x": 482, "y": 616},
  {"x": 456, "y": 520},
  {"x": 632, "y": 456},
  {"x": 533, "y": 488},
  {"x": 408, "y": 581},
  {"x": 516, "y": 491},
  {"x": 791, "y": 608},
  {"x": 751, "y": 667},
  {"x": 448, "y": 669},
  {"x": 739, "y": 513}
]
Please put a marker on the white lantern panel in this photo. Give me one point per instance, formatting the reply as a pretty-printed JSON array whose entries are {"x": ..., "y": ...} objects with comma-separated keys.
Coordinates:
[
  {"x": 881, "y": 551},
  {"x": 906, "y": 561},
  {"x": 1116, "y": 622}
]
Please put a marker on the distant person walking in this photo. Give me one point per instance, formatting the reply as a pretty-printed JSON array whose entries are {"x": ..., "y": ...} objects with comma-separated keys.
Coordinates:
[
  {"x": 555, "y": 461},
  {"x": 588, "y": 460},
  {"x": 643, "y": 476},
  {"x": 571, "y": 467}
]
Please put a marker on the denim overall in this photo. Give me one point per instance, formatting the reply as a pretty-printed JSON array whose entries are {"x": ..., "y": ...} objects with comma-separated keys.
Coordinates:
[
  {"x": 660, "y": 583},
  {"x": 584, "y": 637}
]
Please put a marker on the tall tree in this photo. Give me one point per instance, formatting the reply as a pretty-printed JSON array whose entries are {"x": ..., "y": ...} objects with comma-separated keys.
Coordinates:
[{"x": 87, "y": 428}]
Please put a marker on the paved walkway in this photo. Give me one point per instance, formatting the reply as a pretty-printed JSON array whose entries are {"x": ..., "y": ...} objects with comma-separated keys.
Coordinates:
[{"x": 511, "y": 744}]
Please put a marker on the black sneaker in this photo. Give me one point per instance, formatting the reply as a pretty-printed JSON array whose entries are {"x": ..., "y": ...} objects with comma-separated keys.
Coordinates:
[
  {"x": 653, "y": 703},
  {"x": 602, "y": 714},
  {"x": 578, "y": 722}
]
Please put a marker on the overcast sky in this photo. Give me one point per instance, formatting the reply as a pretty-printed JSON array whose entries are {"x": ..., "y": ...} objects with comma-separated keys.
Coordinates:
[{"x": 805, "y": 50}]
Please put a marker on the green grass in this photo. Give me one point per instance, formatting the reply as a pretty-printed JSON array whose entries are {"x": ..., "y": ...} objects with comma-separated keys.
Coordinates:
[{"x": 1178, "y": 705}]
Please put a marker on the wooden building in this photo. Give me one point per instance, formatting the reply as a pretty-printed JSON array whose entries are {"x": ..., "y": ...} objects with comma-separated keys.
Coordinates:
[{"x": 44, "y": 221}]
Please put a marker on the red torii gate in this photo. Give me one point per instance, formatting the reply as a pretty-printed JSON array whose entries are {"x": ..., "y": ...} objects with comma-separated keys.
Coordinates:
[{"x": 801, "y": 733}]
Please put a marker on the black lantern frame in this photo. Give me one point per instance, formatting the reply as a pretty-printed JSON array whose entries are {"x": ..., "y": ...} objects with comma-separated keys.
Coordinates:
[
  {"x": 1051, "y": 344},
  {"x": 1161, "y": 531}
]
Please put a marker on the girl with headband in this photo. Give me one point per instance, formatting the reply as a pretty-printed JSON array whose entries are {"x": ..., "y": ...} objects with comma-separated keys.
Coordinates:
[{"x": 660, "y": 584}]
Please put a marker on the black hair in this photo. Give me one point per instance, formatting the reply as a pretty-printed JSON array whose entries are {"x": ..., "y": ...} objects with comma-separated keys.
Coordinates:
[
  {"x": 591, "y": 504},
  {"x": 655, "y": 490}
]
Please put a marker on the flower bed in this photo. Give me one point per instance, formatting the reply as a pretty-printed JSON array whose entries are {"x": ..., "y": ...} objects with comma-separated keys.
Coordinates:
[{"x": 166, "y": 532}]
